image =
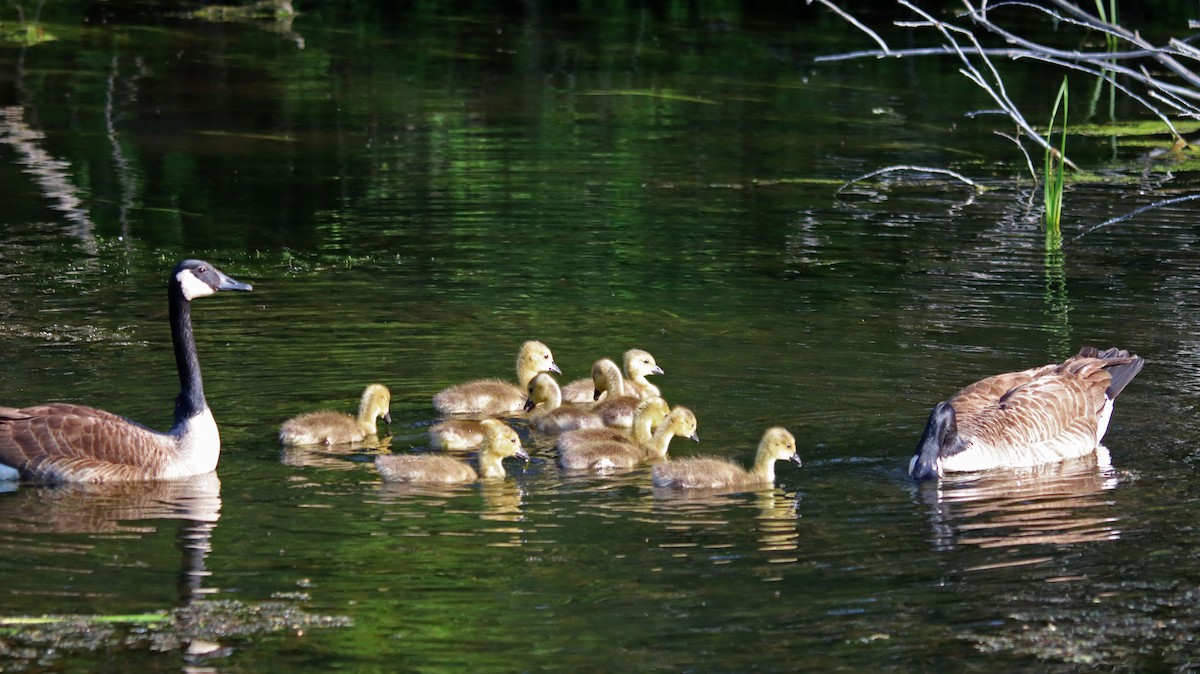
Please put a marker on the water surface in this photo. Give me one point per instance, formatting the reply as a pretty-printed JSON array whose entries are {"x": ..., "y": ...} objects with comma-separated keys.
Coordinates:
[{"x": 413, "y": 193}]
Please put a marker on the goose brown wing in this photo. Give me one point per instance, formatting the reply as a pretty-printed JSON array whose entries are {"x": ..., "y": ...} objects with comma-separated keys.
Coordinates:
[
  {"x": 1044, "y": 405},
  {"x": 65, "y": 442}
]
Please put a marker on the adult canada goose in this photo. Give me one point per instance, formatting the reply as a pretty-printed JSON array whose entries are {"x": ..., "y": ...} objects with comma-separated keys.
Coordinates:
[
  {"x": 336, "y": 428},
  {"x": 63, "y": 442},
  {"x": 646, "y": 419},
  {"x": 639, "y": 364},
  {"x": 493, "y": 396},
  {"x": 499, "y": 442},
  {"x": 617, "y": 408},
  {"x": 547, "y": 413},
  {"x": 1041, "y": 415},
  {"x": 609, "y": 454},
  {"x": 777, "y": 444}
]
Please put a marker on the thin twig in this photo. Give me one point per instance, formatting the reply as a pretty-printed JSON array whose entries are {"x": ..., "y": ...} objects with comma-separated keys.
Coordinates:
[
  {"x": 1138, "y": 211},
  {"x": 906, "y": 167}
]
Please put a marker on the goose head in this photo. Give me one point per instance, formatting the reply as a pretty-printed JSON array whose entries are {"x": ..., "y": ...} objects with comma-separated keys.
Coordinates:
[
  {"x": 545, "y": 391},
  {"x": 682, "y": 422},
  {"x": 940, "y": 438},
  {"x": 376, "y": 402},
  {"x": 197, "y": 278},
  {"x": 534, "y": 357}
]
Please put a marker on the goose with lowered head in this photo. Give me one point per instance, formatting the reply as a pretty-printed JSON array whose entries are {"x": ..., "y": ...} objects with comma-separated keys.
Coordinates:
[
  {"x": 777, "y": 444},
  {"x": 500, "y": 442},
  {"x": 63, "y": 442},
  {"x": 605, "y": 455},
  {"x": 617, "y": 408},
  {"x": 549, "y": 415},
  {"x": 1019, "y": 419},
  {"x": 493, "y": 396},
  {"x": 327, "y": 427}
]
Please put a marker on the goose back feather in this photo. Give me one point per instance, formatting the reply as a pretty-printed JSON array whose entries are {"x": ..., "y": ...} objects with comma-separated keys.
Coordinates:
[{"x": 1018, "y": 419}]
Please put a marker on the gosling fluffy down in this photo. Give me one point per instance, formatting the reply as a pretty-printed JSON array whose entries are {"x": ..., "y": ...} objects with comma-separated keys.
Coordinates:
[
  {"x": 604, "y": 455},
  {"x": 493, "y": 396},
  {"x": 500, "y": 442},
  {"x": 547, "y": 413},
  {"x": 336, "y": 428},
  {"x": 777, "y": 444}
]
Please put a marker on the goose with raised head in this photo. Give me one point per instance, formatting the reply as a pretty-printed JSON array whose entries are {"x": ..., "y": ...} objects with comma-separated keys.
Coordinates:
[
  {"x": 639, "y": 365},
  {"x": 549, "y": 415},
  {"x": 777, "y": 444},
  {"x": 64, "y": 442},
  {"x": 605, "y": 455},
  {"x": 1040, "y": 415},
  {"x": 500, "y": 442},
  {"x": 494, "y": 396},
  {"x": 327, "y": 427}
]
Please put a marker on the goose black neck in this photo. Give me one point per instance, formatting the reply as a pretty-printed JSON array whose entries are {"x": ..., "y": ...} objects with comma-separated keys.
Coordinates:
[{"x": 191, "y": 388}]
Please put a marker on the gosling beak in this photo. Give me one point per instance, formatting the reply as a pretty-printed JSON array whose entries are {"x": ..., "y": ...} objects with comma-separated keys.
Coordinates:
[
  {"x": 554, "y": 368},
  {"x": 595, "y": 394},
  {"x": 795, "y": 458},
  {"x": 521, "y": 454},
  {"x": 529, "y": 404},
  {"x": 657, "y": 370},
  {"x": 694, "y": 437},
  {"x": 387, "y": 417}
]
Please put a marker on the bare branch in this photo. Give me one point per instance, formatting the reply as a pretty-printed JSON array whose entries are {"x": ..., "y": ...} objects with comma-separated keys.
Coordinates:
[{"x": 906, "y": 167}]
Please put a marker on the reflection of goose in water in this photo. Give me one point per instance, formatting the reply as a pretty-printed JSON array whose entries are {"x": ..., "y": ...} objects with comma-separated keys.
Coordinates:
[
  {"x": 1059, "y": 503},
  {"x": 334, "y": 457}
]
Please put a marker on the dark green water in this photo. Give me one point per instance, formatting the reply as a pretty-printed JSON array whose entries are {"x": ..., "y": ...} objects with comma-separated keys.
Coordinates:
[{"x": 413, "y": 192}]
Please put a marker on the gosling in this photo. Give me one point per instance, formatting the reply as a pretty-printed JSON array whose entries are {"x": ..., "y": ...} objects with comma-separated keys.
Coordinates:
[
  {"x": 499, "y": 443},
  {"x": 777, "y": 444},
  {"x": 638, "y": 365},
  {"x": 337, "y": 428},
  {"x": 493, "y": 397},
  {"x": 547, "y": 413},
  {"x": 608, "y": 455}
]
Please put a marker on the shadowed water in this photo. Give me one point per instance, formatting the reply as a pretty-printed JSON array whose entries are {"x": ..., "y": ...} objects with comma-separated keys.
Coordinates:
[{"x": 414, "y": 194}]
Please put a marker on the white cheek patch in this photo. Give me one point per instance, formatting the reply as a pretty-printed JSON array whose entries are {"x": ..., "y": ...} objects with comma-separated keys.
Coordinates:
[{"x": 192, "y": 286}]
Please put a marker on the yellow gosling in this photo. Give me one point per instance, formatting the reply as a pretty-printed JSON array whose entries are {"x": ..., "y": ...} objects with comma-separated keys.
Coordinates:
[
  {"x": 499, "y": 443},
  {"x": 777, "y": 444},
  {"x": 494, "y": 396},
  {"x": 336, "y": 428}
]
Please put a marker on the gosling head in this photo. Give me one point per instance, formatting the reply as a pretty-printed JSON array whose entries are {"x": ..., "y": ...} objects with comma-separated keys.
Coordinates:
[
  {"x": 542, "y": 389},
  {"x": 682, "y": 422},
  {"x": 536, "y": 357},
  {"x": 778, "y": 444},
  {"x": 376, "y": 402},
  {"x": 638, "y": 363},
  {"x": 653, "y": 409},
  {"x": 501, "y": 440},
  {"x": 607, "y": 377}
]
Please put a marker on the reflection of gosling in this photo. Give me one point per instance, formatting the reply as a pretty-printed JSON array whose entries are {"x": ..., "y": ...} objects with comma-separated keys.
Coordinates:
[
  {"x": 548, "y": 415},
  {"x": 493, "y": 396},
  {"x": 639, "y": 364},
  {"x": 617, "y": 408},
  {"x": 335, "y": 428},
  {"x": 608, "y": 455},
  {"x": 499, "y": 442},
  {"x": 777, "y": 444}
]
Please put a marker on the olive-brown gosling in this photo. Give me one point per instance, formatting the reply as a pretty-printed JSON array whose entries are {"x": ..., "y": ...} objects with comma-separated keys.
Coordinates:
[
  {"x": 608, "y": 455},
  {"x": 617, "y": 408},
  {"x": 643, "y": 429},
  {"x": 336, "y": 428},
  {"x": 547, "y": 413},
  {"x": 493, "y": 396},
  {"x": 638, "y": 365},
  {"x": 500, "y": 442},
  {"x": 457, "y": 435},
  {"x": 777, "y": 444}
]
